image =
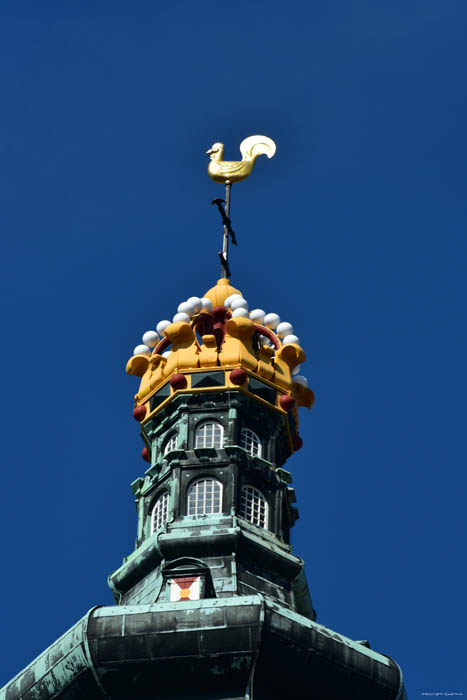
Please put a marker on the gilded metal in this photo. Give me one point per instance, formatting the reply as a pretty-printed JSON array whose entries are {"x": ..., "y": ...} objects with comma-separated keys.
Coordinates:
[{"x": 226, "y": 171}]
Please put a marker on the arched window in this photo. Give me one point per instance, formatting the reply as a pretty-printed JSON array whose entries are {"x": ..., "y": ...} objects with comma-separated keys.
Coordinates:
[
  {"x": 171, "y": 443},
  {"x": 160, "y": 512},
  {"x": 204, "y": 497},
  {"x": 254, "y": 507},
  {"x": 209, "y": 435},
  {"x": 251, "y": 442}
]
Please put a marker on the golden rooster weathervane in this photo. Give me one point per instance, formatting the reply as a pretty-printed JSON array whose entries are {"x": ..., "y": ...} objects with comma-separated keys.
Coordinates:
[{"x": 227, "y": 172}]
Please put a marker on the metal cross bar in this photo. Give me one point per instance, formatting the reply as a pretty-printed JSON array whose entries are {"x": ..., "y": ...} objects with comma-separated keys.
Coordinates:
[{"x": 224, "y": 212}]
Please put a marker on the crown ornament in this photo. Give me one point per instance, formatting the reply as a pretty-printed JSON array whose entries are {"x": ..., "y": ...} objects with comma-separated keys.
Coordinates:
[{"x": 248, "y": 351}]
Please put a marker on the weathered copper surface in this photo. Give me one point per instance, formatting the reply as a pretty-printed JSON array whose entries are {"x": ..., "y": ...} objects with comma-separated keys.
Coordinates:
[{"x": 214, "y": 648}]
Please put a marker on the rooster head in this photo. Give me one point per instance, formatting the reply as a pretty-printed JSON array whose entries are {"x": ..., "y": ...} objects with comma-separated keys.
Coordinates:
[{"x": 216, "y": 151}]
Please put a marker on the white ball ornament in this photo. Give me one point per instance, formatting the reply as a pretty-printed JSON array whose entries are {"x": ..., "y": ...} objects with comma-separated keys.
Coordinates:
[
  {"x": 196, "y": 302},
  {"x": 284, "y": 329},
  {"x": 150, "y": 338},
  {"x": 240, "y": 313},
  {"x": 238, "y": 304},
  {"x": 257, "y": 315},
  {"x": 230, "y": 299},
  {"x": 206, "y": 304},
  {"x": 300, "y": 379},
  {"x": 291, "y": 339},
  {"x": 272, "y": 321},
  {"x": 142, "y": 350},
  {"x": 166, "y": 353},
  {"x": 161, "y": 326},
  {"x": 181, "y": 317},
  {"x": 186, "y": 308}
]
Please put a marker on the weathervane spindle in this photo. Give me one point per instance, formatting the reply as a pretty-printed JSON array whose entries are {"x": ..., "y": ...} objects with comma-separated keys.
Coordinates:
[{"x": 228, "y": 172}]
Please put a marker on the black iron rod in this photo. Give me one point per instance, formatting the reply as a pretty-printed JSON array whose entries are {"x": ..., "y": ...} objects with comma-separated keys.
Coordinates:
[{"x": 225, "y": 246}]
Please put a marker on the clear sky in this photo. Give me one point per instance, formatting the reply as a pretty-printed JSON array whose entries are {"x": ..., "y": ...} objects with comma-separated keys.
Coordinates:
[{"x": 355, "y": 232}]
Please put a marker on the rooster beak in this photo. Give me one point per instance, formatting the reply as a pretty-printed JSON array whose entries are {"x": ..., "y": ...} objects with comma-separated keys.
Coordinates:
[{"x": 208, "y": 153}]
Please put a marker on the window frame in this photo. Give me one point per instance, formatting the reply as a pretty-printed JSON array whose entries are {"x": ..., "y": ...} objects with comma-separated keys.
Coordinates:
[
  {"x": 166, "y": 448},
  {"x": 191, "y": 489},
  {"x": 249, "y": 488},
  {"x": 201, "y": 426},
  {"x": 247, "y": 432},
  {"x": 164, "y": 498}
]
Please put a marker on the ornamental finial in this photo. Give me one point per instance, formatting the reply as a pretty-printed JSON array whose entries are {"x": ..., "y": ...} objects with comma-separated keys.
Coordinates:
[{"x": 229, "y": 171}]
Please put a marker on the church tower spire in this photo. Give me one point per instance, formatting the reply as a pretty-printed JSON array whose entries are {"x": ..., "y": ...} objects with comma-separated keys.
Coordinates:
[{"x": 213, "y": 604}]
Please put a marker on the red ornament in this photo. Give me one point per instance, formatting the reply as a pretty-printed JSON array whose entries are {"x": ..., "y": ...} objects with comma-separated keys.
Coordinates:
[
  {"x": 178, "y": 381},
  {"x": 220, "y": 313},
  {"x": 145, "y": 454},
  {"x": 139, "y": 413},
  {"x": 287, "y": 402},
  {"x": 238, "y": 376},
  {"x": 297, "y": 442}
]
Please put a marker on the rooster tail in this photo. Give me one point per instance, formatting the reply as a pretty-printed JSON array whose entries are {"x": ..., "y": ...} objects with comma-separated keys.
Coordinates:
[{"x": 255, "y": 146}]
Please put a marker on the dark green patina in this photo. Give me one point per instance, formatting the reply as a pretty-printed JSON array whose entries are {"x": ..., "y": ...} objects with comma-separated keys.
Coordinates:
[{"x": 253, "y": 633}]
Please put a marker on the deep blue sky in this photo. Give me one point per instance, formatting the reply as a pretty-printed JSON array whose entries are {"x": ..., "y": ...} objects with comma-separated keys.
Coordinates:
[{"x": 355, "y": 232}]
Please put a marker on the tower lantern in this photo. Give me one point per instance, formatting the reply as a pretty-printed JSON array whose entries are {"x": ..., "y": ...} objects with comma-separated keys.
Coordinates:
[
  {"x": 218, "y": 407},
  {"x": 213, "y": 603}
]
